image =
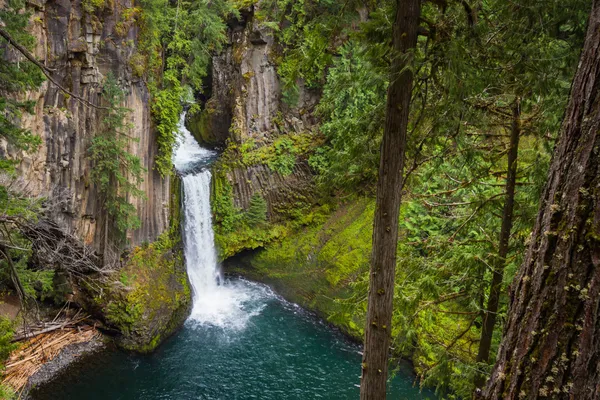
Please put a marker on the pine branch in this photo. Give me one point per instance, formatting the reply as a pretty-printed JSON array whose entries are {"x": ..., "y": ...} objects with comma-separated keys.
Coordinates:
[{"x": 45, "y": 70}]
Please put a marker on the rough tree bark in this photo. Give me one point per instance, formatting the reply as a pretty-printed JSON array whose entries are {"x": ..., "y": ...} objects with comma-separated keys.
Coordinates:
[
  {"x": 551, "y": 344},
  {"x": 385, "y": 231},
  {"x": 489, "y": 319}
]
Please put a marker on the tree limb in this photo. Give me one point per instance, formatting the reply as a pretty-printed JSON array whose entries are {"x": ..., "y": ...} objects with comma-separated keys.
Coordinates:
[{"x": 45, "y": 69}]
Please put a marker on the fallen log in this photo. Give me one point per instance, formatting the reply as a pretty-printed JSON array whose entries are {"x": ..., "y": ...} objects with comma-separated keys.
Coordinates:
[
  {"x": 26, "y": 361},
  {"x": 67, "y": 324}
]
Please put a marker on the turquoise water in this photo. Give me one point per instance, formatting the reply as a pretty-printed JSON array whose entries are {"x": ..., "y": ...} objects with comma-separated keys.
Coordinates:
[{"x": 275, "y": 350}]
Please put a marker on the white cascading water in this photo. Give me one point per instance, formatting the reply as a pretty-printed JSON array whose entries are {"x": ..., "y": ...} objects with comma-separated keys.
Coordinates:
[{"x": 215, "y": 301}]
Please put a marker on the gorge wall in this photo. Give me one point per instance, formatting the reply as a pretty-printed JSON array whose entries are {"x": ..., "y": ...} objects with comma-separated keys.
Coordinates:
[
  {"x": 80, "y": 47},
  {"x": 81, "y": 42},
  {"x": 265, "y": 136}
]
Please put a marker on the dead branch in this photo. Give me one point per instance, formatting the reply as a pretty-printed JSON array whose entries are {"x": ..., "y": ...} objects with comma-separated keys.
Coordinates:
[
  {"x": 52, "y": 246},
  {"x": 50, "y": 328}
]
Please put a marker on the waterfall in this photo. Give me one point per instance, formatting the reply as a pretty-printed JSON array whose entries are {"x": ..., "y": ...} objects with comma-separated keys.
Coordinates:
[
  {"x": 216, "y": 302},
  {"x": 199, "y": 243}
]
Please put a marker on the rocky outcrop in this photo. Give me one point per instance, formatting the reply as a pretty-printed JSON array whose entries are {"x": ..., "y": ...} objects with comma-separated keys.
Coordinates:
[
  {"x": 246, "y": 100},
  {"x": 247, "y": 113},
  {"x": 280, "y": 192},
  {"x": 81, "y": 48}
]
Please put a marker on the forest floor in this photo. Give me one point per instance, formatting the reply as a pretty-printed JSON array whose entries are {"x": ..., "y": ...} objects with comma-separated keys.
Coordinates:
[{"x": 9, "y": 305}]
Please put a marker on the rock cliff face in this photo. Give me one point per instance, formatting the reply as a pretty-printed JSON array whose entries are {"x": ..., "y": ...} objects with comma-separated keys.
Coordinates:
[
  {"x": 80, "y": 42},
  {"x": 80, "y": 48},
  {"x": 246, "y": 98},
  {"x": 246, "y": 107}
]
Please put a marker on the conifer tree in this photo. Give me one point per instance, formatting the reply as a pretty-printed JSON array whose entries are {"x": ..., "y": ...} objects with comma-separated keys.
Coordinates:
[
  {"x": 257, "y": 210},
  {"x": 116, "y": 172},
  {"x": 385, "y": 228}
]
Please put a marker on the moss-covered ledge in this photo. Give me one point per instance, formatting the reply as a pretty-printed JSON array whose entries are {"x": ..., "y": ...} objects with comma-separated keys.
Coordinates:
[{"x": 149, "y": 297}]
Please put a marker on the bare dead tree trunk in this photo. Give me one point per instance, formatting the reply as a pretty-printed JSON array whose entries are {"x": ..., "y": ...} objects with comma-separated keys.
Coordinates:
[
  {"x": 385, "y": 230},
  {"x": 551, "y": 344},
  {"x": 489, "y": 320}
]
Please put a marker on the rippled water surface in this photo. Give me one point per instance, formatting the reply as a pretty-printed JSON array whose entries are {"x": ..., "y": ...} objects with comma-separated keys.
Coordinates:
[{"x": 278, "y": 352}]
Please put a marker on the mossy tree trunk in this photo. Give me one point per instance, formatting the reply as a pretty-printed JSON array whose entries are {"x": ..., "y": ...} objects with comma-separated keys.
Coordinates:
[
  {"x": 551, "y": 345},
  {"x": 385, "y": 230}
]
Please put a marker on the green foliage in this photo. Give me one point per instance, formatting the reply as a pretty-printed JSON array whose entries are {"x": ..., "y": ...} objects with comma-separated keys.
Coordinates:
[
  {"x": 307, "y": 30},
  {"x": 166, "y": 108},
  {"x": 176, "y": 45},
  {"x": 89, "y": 6},
  {"x": 6, "y": 336},
  {"x": 469, "y": 74},
  {"x": 116, "y": 172},
  {"x": 236, "y": 229},
  {"x": 280, "y": 155},
  {"x": 16, "y": 77},
  {"x": 6, "y": 347},
  {"x": 226, "y": 216},
  {"x": 15, "y": 203},
  {"x": 154, "y": 295},
  {"x": 285, "y": 157},
  {"x": 257, "y": 210},
  {"x": 323, "y": 265},
  {"x": 353, "y": 109},
  {"x": 6, "y": 393}
]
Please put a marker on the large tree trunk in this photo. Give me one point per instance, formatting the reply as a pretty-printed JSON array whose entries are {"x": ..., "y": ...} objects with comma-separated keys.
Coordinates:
[
  {"x": 489, "y": 320},
  {"x": 551, "y": 346},
  {"x": 385, "y": 231}
]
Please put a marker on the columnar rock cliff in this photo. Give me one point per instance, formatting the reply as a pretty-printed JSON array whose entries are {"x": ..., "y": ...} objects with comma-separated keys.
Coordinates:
[
  {"x": 81, "y": 42},
  {"x": 81, "y": 48},
  {"x": 246, "y": 104},
  {"x": 245, "y": 98}
]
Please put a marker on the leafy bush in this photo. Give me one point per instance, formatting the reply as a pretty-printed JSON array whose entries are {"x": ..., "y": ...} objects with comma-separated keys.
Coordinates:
[{"x": 285, "y": 157}]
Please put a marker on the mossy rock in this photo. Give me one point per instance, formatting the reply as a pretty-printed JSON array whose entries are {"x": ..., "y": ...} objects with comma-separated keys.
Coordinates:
[
  {"x": 149, "y": 298},
  {"x": 321, "y": 266},
  {"x": 210, "y": 127}
]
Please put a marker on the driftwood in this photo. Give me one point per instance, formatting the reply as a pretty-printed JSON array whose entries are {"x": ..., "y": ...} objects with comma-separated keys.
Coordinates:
[
  {"x": 27, "y": 360},
  {"x": 49, "y": 328}
]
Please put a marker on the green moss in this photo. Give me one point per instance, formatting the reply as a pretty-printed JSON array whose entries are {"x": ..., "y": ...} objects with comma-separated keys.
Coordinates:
[
  {"x": 149, "y": 297},
  {"x": 200, "y": 125},
  {"x": 294, "y": 208},
  {"x": 155, "y": 298},
  {"x": 7, "y": 393},
  {"x": 322, "y": 266}
]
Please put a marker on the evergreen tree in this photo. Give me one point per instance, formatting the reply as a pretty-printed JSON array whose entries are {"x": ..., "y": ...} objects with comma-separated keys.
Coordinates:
[
  {"x": 16, "y": 75},
  {"x": 116, "y": 172},
  {"x": 257, "y": 210},
  {"x": 550, "y": 347},
  {"x": 378, "y": 326}
]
